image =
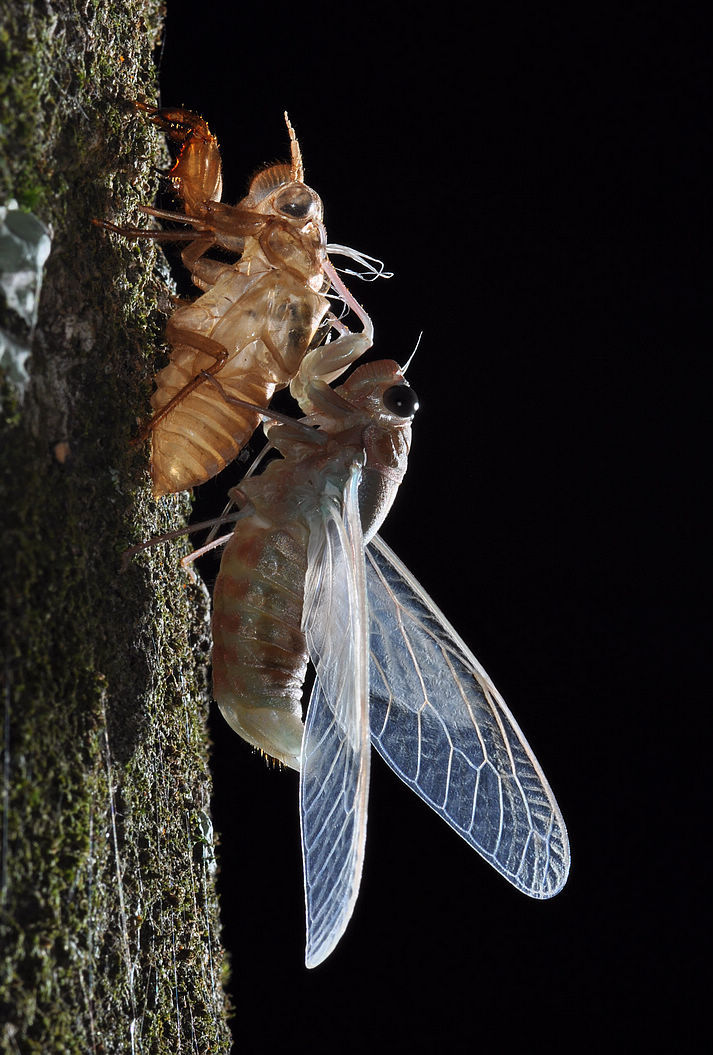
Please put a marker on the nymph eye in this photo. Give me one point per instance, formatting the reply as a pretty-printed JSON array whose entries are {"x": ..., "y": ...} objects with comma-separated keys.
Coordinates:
[
  {"x": 401, "y": 400},
  {"x": 296, "y": 202}
]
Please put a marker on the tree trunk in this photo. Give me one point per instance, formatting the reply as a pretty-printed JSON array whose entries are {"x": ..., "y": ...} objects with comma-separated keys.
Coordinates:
[{"x": 108, "y": 920}]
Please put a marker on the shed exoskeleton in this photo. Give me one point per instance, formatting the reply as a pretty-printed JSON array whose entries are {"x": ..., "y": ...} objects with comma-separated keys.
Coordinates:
[{"x": 256, "y": 319}]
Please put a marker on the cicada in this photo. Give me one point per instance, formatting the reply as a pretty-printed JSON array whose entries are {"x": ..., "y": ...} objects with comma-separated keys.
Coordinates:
[
  {"x": 305, "y": 577},
  {"x": 256, "y": 319}
]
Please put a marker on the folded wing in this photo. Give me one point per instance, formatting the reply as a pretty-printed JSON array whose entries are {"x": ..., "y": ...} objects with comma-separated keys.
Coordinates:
[{"x": 334, "y": 779}]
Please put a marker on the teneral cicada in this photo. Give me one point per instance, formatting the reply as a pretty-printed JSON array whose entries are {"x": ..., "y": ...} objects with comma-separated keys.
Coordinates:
[
  {"x": 305, "y": 577},
  {"x": 256, "y": 320}
]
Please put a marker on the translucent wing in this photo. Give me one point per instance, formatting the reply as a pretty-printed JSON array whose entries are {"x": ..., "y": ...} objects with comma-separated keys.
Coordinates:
[
  {"x": 441, "y": 725},
  {"x": 334, "y": 779}
]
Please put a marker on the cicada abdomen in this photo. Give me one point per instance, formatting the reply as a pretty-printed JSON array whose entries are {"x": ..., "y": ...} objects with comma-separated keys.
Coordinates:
[
  {"x": 255, "y": 319},
  {"x": 259, "y": 649}
]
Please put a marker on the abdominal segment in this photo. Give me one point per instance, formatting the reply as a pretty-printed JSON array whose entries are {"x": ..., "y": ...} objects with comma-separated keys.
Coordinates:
[
  {"x": 253, "y": 345},
  {"x": 259, "y": 650}
]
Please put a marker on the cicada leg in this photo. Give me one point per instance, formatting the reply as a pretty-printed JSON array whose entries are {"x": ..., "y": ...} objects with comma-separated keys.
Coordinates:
[
  {"x": 201, "y": 343},
  {"x": 327, "y": 362},
  {"x": 138, "y": 233}
]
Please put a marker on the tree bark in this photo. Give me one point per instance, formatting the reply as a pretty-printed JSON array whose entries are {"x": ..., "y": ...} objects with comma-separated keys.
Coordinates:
[{"x": 108, "y": 920}]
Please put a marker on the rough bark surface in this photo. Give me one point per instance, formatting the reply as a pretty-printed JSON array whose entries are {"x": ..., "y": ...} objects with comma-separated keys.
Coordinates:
[{"x": 108, "y": 921}]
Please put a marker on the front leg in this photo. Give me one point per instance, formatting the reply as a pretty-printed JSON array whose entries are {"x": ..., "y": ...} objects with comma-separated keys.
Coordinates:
[{"x": 327, "y": 362}]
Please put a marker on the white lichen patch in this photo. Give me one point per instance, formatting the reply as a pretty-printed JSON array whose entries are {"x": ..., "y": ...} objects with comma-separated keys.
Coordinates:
[
  {"x": 25, "y": 244},
  {"x": 13, "y": 361}
]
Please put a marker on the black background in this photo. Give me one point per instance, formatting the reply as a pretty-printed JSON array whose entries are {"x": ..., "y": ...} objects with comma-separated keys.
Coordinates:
[{"x": 528, "y": 175}]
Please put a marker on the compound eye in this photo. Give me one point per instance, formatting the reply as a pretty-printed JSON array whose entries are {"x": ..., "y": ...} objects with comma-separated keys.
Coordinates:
[
  {"x": 401, "y": 400},
  {"x": 296, "y": 202}
]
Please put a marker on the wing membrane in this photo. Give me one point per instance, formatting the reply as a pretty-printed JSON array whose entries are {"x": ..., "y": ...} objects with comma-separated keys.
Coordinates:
[
  {"x": 442, "y": 726},
  {"x": 334, "y": 779}
]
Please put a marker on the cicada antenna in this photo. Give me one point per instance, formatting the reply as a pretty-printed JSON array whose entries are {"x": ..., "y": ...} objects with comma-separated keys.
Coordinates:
[
  {"x": 297, "y": 170},
  {"x": 408, "y": 362}
]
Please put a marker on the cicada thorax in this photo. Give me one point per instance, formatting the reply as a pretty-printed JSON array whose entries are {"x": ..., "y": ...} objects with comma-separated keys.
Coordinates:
[{"x": 259, "y": 650}]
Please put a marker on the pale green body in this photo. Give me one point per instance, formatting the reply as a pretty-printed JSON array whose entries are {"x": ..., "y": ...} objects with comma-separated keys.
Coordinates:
[{"x": 259, "y": 650}]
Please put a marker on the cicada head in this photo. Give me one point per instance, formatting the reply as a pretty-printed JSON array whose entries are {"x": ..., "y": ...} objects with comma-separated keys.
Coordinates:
[
  {"x": 381, "y": 390},
  {"x": 273, "y": 193},
  {"x": 280, "y": 190},
  {"x": 381, "y": 408}
]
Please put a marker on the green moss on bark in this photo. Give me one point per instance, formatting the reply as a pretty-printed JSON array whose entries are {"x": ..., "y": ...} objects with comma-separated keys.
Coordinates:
[{"x": 108, "y": 920}]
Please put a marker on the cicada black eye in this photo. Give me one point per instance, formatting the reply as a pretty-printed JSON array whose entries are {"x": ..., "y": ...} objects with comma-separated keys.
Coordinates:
[
  {"x": 401, "y": 400},
  {"x": 296, "y": 202}
]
